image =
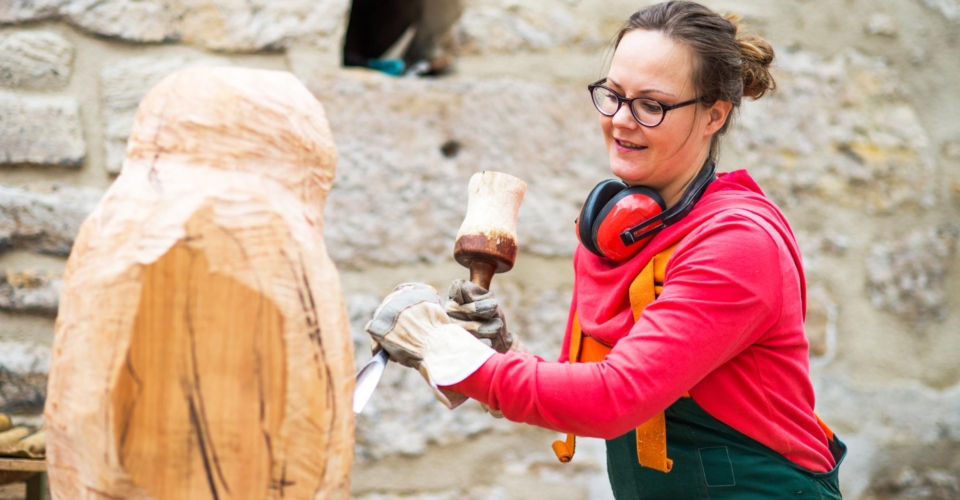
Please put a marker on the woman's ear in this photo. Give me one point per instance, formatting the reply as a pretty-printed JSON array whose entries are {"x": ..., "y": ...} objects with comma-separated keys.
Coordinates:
[{"x": 717, "y": 115}]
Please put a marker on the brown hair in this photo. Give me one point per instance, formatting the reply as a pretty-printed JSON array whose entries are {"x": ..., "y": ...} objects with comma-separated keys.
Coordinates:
[{"x": 727, "y": 64}]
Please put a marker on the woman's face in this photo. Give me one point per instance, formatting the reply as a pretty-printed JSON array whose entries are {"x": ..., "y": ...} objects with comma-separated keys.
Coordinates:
[{"x": 668, "y": 156}]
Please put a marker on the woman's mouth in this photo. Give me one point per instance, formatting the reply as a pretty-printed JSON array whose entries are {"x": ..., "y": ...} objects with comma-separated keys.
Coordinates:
[{"x": 628, "y": 146}]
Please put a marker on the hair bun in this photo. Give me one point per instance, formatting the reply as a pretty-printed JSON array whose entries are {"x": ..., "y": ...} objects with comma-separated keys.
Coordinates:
[{"x": 757, "y": 56}]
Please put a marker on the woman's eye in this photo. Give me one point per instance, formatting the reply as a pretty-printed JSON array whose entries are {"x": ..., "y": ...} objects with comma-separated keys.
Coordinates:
[{"x": 650, "y": 106}]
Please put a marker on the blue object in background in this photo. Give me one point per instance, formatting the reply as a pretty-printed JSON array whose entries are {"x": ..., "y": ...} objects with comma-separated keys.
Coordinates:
[{"x": 393, "y": 67}]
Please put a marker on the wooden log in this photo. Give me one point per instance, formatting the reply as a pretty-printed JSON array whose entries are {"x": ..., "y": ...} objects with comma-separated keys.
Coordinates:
[{"x": 202, "y": 349}]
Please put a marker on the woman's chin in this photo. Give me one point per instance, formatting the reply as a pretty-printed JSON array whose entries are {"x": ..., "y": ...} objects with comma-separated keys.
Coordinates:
[{"x": 630, "y": 174}]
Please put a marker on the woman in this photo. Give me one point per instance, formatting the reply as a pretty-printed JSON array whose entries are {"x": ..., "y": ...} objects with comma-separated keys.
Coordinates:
[{"x": 716, "y": 366}]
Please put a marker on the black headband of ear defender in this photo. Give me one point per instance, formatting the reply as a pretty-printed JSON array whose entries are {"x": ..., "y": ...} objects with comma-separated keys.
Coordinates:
[{"x": 673, "y": 214}]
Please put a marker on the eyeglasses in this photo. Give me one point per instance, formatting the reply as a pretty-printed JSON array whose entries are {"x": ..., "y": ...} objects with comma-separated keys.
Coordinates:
[{"x": 647, "y": 111}]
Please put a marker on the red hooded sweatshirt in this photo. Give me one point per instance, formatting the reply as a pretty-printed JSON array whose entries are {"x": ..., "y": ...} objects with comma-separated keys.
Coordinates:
[{"x": 727, "y": 328}]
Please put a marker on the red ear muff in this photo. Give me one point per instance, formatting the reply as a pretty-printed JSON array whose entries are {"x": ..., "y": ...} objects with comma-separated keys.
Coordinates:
[
  {"x": 611, "y": 207},
  {"x": 595, "y": 204},
  {"x": 628, "y": 208},
  {"x": 617, "y": 221}
]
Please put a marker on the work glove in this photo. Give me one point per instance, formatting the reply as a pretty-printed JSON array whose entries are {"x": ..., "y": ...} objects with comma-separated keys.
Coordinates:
[
  {"x": 477, "y": 311},
  {"x": 411, "y": 325}
]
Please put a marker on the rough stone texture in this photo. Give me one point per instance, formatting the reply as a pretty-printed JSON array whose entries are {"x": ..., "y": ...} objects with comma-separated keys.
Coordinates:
[
  {"x": 821, "y": 324},
  {"x": 882, "y": 24},
  {"x": 23, "y": 377},
  {"x": 44, "y": 222},
  {"x": 509, "y": 25},
  {"x": 908, "y": 483},
  {"x": 42, "y": 130},
  {"x": 398, "y": 199},
  {"x": 888, "y": 427},
  {"x": 30, "y": 291},
  {"x": 949, "y": 8},
  {"x": 838, "y": 130},
  {"x": 122, "y": 86},
  {"x": 35, "y": 60},
  {"x": 222, "y": 25},
  {"x": 22, "y": 393},
  {"x": 908, "y": 275},
  {"x": 12, "y": 11}
]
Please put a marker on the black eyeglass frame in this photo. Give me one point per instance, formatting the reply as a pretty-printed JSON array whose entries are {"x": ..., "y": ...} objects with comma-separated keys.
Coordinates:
[{"x": 629, "y": 100}]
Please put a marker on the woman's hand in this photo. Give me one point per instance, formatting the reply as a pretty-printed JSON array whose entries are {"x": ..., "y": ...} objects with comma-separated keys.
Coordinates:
[
  {"x": 410, "y": 324},
  {"x": 478, "y": 312}
]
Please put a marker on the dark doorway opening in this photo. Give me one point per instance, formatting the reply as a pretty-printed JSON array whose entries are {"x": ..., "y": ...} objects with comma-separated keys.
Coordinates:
[{"x": 401, "y": 36}]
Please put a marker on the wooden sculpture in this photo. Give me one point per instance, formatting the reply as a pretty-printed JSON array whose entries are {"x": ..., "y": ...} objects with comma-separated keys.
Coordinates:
[
  {"x": 202, "y": 349},
  {"x": 487, "y": 240}
]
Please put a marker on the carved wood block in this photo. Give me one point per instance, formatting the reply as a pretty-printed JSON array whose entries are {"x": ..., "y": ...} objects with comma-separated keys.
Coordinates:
[{"x": 202, "y": 348}]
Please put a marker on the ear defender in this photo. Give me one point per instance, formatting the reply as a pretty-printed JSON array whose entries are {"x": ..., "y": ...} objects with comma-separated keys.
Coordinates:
[
  {"x": 617, "y": 221},
  {"x": 611, "y": 207}
]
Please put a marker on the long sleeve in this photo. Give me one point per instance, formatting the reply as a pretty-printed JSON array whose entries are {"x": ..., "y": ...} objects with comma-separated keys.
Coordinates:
[{"x": 722, "y": 293}]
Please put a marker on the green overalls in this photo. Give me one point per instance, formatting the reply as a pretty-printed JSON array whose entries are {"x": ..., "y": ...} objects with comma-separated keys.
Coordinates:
[
  {"x": 707, "y": 458},
  {"x": 712, "y": 460}
]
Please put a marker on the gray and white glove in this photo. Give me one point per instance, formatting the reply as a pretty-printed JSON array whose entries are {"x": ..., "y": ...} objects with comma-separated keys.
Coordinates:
[
  {"x": 478, "y": 312},
  {"x": 411, "y": 325}
]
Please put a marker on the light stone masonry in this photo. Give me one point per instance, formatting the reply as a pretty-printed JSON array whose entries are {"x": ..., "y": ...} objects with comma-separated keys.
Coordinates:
[
  {"x": 15, "y": 11},
  {"x": 43, "y": 222},
  {"x": 40, "y": 130},
  {"x": 221, "y": 25},
  {"x": 530, "y": 26},
  {"x": 838, "y": 130},
  {"x": 30, "y": 291},
  {"x": 35, "y": 60},
  {"x": 908, "y": 274},
  {"x": 949, "y": 8}
]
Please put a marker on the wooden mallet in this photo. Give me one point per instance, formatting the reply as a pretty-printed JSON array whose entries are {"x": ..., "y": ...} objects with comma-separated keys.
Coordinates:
[{"x": 487, "y": 240}]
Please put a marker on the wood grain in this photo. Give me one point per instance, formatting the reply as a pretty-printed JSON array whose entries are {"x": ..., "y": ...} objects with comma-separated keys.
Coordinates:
[{"x": 201, "y": 348}]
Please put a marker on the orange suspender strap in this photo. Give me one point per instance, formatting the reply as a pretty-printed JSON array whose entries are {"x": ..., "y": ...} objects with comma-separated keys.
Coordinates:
[
  {"x": 651, "y": 435},
  {"x": 564, "y": 450}
]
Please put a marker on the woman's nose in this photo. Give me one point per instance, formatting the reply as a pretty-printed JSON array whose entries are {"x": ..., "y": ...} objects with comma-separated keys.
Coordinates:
[{"x": 623, "y": 118}]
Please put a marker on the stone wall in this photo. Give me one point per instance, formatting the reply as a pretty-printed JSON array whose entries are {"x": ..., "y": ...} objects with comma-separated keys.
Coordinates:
[{"x": 860, "y": 146}]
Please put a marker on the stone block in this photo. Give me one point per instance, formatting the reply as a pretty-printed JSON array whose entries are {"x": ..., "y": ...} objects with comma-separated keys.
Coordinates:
[
  {"x": 23, "y": 377},
  {"x": 910, "y": 483},
  {"x": 221, "y": 25},
  {"x": 41, "y": 130},
  {"x": 15, "y": 11},
  {"x": 22, "y": 393},
  {"x": 949, "y": 8},
  {"x": 908, "y": 275},
  {"x": 30, "y": 291},
  {"x": 837, "y": 131},
  {"x": 409, "y": 146},
  {"x": 35, "y": 60},
  {"x": 122, "y": 86},
  {"x": 821, "y": 323},
  {"x": 494, "y": 26},
  {"x": 44, "y": 222}
]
